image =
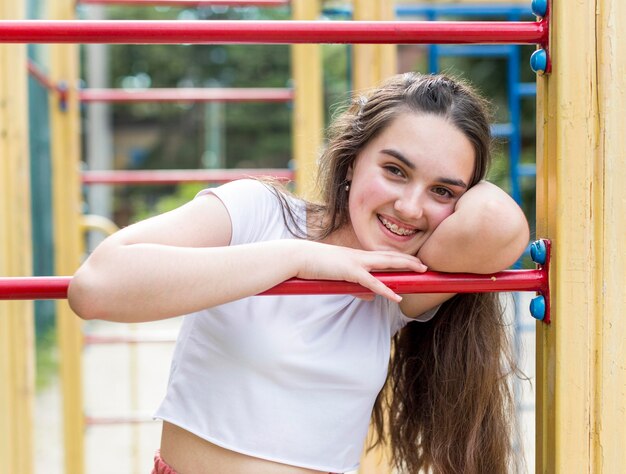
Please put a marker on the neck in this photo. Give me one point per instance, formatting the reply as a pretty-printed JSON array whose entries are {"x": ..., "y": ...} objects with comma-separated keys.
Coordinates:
[
  {"x": 343, "y": 237},
  {"x": 318, "y": 223}
]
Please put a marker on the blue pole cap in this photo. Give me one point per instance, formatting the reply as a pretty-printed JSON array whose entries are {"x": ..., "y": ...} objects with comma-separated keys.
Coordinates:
[
  {"x": 539, "y": 7},
  {"x": 62, "y": 89},
  {"x": 539, "y": 61},
  {"x": 538, "y": 307},
  {"x": 538, "y": 252}
]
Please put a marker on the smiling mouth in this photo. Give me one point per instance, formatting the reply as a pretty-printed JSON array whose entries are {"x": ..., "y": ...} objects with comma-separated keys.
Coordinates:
[{"x": 396, "y": 229}]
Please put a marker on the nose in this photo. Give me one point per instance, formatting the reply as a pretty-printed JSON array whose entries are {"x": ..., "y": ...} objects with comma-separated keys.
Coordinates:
[{"x": 410, "y": 204}]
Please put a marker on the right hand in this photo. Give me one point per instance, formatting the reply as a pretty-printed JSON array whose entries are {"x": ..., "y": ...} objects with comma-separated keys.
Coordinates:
[{"x": 318, "y": 261}]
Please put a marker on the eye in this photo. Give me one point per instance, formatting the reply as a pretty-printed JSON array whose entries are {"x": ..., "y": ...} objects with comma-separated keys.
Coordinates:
[
  {"x": 443, "y": 192},
  {"x": 394, "y": 170}
]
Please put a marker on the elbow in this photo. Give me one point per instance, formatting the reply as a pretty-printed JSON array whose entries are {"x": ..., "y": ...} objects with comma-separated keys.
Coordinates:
[
  {"x": 84, "y": 296},
  {"x": 516, "y": 230},
  {"x": 521, "y": 238},
  {"x": 513, "y": 232}
]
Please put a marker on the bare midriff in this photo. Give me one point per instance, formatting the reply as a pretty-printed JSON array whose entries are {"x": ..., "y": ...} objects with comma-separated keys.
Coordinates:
[{"x": 189, "y": 454}]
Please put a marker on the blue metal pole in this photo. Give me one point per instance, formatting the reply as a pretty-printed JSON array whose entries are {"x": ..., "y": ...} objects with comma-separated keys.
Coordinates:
[{"x": 433, "y": 49}]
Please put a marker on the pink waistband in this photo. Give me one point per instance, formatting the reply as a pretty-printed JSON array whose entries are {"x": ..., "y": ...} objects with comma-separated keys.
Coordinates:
[{"x": 160, "y": 466}]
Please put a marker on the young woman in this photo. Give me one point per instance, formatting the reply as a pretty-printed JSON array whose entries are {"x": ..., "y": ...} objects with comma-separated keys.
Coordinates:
[{"x": 288, "y": 384}]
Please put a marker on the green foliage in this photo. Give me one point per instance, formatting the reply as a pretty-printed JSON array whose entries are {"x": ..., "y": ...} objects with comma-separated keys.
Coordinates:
[
  {"x": 251, "y": 134},
  {"x": 182, "y": 194},
  {"x": 258, "y": 134},
  {"x": 264, "y": 129},
  {"x": 46, "y": 359}
]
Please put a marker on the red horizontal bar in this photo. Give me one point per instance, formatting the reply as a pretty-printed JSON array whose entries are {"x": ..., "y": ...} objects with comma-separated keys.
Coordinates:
[
  {"x": 271, "y": 32},
  {"x": 188, "y": 3},
  {"x": 126, "y": 339},
  {"x": 118, "y": 420},
  {"x": 187, "y": 95},
  {"x": 34, "y": 288},
  {"x": 429, "y": 282},
  {"x": 180, "y": 176},
  {"x": 30, "y": 288}
]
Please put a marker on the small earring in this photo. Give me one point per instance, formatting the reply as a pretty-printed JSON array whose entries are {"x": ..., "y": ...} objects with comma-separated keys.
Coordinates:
[{"x": 348, "y": 187}]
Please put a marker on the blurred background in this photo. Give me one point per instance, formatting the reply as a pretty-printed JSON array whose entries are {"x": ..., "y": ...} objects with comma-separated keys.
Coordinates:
[{"x": 125, "y": 367}]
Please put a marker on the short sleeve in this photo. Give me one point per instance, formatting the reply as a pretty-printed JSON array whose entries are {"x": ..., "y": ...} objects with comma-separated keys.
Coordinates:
[
  {"x": 399, "y": 320},
  {"x": 254, "y": 209}
]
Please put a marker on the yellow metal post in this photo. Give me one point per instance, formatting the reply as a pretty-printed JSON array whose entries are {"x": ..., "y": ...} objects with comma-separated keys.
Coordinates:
[
  {"x": 308, "y": 102},
  {"x": 65, "y": 152},
  {"x": 581, "y": 206},
  {"x": 372, "y": 63},
  {"x": 16, "y": 317}
]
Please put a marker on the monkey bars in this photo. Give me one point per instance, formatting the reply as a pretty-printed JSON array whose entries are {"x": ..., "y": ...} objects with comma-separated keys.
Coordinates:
[
  {"x": 148, "y": 177},
  {"x": 267, "y": 94},
  {"x": 188, "y": 3},
  {"x": 177, "y": 94},
  {"x": 33, "y": 288},
  {"x": 45, "y": 288},
  {"x": 30, "y": 288},
  {"x": 272, "y": 32}
]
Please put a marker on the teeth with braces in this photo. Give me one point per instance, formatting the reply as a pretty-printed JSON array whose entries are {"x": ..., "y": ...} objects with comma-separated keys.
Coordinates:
[{"x": 395, "y": 229}]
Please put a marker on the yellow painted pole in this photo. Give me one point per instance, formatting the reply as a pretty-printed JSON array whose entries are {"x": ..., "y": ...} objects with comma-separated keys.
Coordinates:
[
  {"x": 372, "y": 63},
  {"x": 16, "y": 317},
  {"x": 98, "y": 223},
  {"x": 308, "y": 102},
  {"x": 581, "y": 206},
  {"x": 610, "y": 423},
  {"x": 65, "y": 152}
]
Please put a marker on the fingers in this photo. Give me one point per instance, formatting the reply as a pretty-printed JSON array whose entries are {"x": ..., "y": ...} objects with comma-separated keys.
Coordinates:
[
  {"x": 379, "y": 261},
  {"x": 369, "y": 281},
  {"x": 385, "y": 261},
  {"x": 342, "y": 263}
]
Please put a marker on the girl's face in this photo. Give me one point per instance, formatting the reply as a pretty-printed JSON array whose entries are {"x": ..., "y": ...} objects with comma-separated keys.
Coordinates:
[{"x": 406, "y": 181}]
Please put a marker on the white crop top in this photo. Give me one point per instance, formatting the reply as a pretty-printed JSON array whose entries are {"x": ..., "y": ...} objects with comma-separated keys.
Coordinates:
[{"x": 290, "y": 379}]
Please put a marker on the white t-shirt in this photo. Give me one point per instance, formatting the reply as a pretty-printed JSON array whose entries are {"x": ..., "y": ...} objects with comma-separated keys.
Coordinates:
[{"x": 290, "y": 379}]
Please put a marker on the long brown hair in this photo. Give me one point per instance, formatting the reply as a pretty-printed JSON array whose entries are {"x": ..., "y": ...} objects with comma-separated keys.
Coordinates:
[{"x": 447, "y": 407}]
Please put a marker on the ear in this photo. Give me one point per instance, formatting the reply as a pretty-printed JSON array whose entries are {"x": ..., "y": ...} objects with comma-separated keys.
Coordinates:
[{"x": 350, "y": 172}]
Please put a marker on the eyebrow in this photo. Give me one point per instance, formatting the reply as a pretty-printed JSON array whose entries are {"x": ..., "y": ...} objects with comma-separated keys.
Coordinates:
[
  {"x": 409, "y": 164},
  {"x": 400, "y": 157},
  {"x": 454, "y": 182}
]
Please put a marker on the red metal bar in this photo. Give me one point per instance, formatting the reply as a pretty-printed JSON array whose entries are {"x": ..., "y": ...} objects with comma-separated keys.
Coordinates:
[
  {"x": 180, "y": 176},
  {"x": 118, "y": 420},
  {"x": 33, "y": 288},
  {"x": 272, "y": 32},
  {"x": 188, "y": 3},
  {"x": 429, "y": 282},
  {"x": 30, "y": 288},
  {"x": 35, "y": 71},
  {"x": 127, "y": 339},
  {"x": 187, "y": 95}
]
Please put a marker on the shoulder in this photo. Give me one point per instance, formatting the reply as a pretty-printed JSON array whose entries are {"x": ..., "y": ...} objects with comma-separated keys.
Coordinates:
[
  {"x": 256, "y": 209},
  {"x": 245, "y": 196},
  {"x": 241, "y": 190}
]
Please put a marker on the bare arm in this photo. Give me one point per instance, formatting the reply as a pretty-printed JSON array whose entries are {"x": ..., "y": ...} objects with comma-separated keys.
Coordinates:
[
  {"x": 169, "y": 265},
  {"x": 181, "y": 262},
  {"x": 486, "y": 234}
]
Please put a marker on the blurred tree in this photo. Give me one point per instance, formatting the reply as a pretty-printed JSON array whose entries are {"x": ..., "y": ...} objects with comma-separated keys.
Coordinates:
[
  {"x": 250, "y": 135},
  {"x": 259, "y": 134}
]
